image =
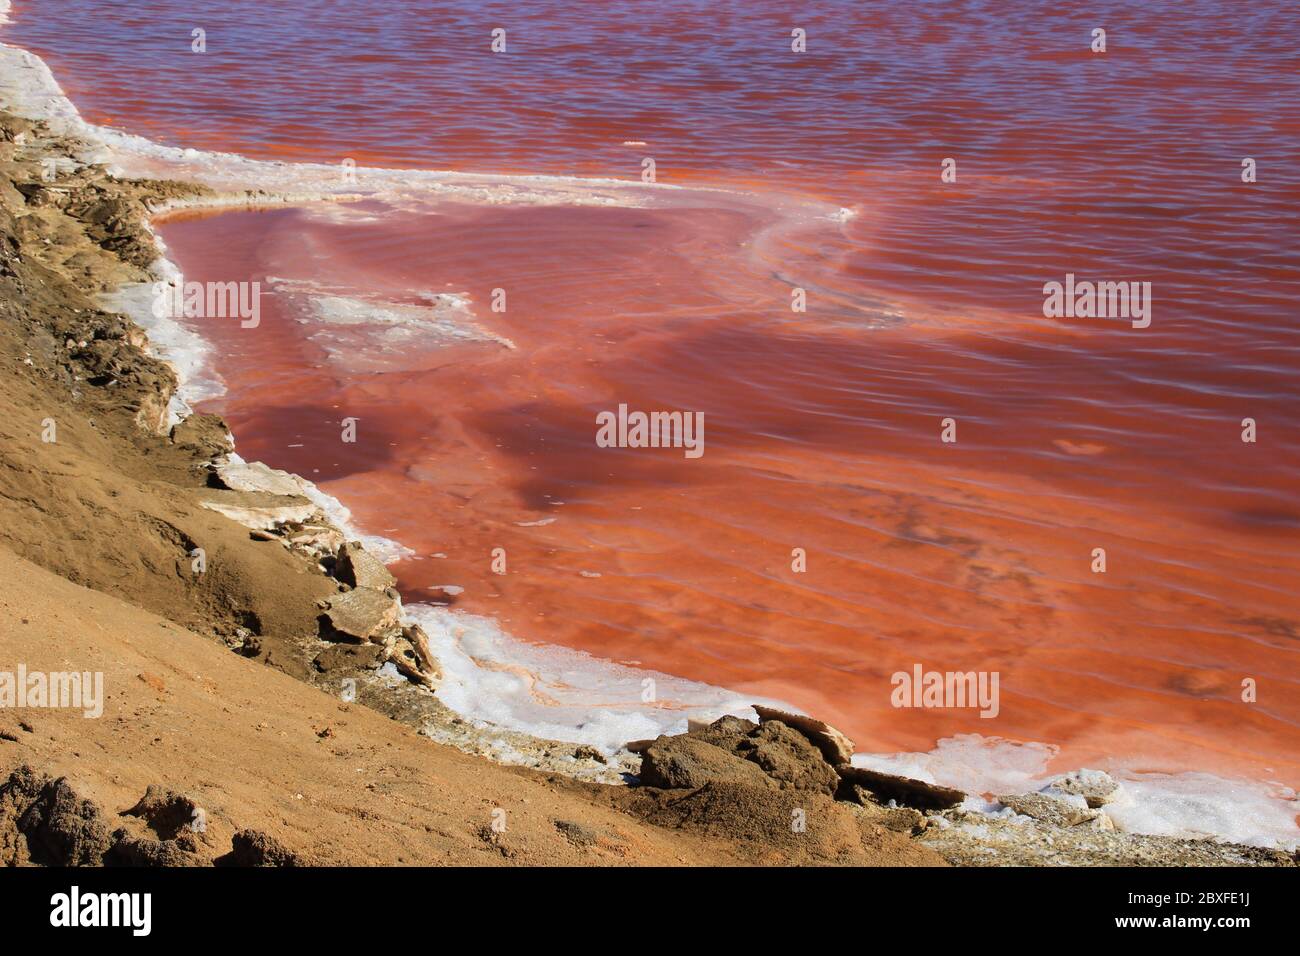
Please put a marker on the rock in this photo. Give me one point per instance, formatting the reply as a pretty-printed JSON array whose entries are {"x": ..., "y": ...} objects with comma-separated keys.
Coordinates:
[
  {"x": 260, "y": 517},
  {"x": 587, "y": 752},
  {"x": 1060, "y": 813},
  {"x": 151, "y": 415},
  {"x": 726, "y": 732},
  {"x": 207, "y": 435},
  {"x": 419, "y": 642},
  {"x": 789, "y": 758},
  {"x": 361, "y": 569},
  {"x": 349, "y": 657},
  {"x": 899, "y": 819},
  {"x": 168, "y": 814},
  {"x": 835, "y": 746},
  {"x": 140, "y": 851},
  {"x": 1097, "y": 787},
  {"x": 737, "y": 751},
  {"x": 684, "y": 763},
  {"x": 58, "y": 827},
  {"x": 254, "y": 848},
  {"x": 319, "y": 539},
  {"x": 402, "y": 655},
  {"x": 902, "y": 790},
  {"x": 361, "y": 615},
  {"x": 255, "y": 476}
]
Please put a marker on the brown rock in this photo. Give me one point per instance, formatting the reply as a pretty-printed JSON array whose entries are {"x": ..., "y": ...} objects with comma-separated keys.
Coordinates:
[
  {"x": 835, "y": 746},
  {"x": 361, "y": 569},
  {"x": 902, "y": 790},
  {"x": 1051, "y": 810},
  {"x": 254, "y": 848},
  {"x": 898, "y": 819},
  {"x": 684, "y": 763},
  {"x": 403, "y": 656},
  {"x": 349, "y": 657},
  {"x": 141, "y": 851},
  {"x": 1095, "y": 786},
  {"x": 789, "y": 758},
  {"x": 166, "y": 813},
  {"x": 360, "y": 615},
  {"x": 419, "y": 641},
  {"x": 44, "y": 821},
  {"x": 208, "y": 436}
]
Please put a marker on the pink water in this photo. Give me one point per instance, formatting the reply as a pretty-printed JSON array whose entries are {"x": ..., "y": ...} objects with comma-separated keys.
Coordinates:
[{"x": 822, "y": 428}]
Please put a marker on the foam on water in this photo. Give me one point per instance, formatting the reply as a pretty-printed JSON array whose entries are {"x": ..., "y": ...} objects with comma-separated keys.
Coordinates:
[
  {"x": 562, "y": 694},
  {"x": 1189, "y": 805}
]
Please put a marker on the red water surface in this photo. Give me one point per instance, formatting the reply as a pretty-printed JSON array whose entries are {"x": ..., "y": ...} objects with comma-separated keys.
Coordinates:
[{"x": 822, "y": 428}]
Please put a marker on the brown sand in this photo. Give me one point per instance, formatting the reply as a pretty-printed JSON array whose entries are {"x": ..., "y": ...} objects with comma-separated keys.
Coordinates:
[{"x": 334, "y": 783}]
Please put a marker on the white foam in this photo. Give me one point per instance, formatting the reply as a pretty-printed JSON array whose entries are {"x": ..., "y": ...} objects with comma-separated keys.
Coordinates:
[
  {"x": 562, "y": 694},
  {"x": 1190, "y": 804},
  {"x": 386, "y": 549},
  {"x": 184, "y": 350},
  {"x": 1200, "y": 804}
]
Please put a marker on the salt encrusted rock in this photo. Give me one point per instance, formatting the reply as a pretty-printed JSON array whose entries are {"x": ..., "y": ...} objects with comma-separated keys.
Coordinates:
[
  {"x": 411, "y": 655},
  {"x": 414, "y": 635},
  {"x": 318, "y": 539},
  {"x": 263, "y": 517},
  {"x": 1097, "y": 787},
  {"x": 255, "y": 476},
  {"x": 1048, "y": 809},
  {"x": 361, "y": 569},
  {"x": 362, "y": 615},
  {"x": 902, "y": 790},
  {"x": 835, "y": 746}
]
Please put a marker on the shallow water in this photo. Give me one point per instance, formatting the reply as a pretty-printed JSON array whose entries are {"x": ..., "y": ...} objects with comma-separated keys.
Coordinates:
[{"x": 476, "y": 428}]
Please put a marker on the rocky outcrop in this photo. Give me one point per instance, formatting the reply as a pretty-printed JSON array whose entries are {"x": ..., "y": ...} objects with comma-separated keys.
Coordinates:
[
  {"x": 254, "y": 848},
  {"x": 1058, "y": 812},
  {"x": 770, "y": 755},
  {"x": 361, "y": 615},
  {"x": 358, "y": 568},
  {"x": 905, "y": 791},
  {"x": 835, "y": 746},
  {"x": 1096, "y": 787},
  {"x": 207, "y": 436},
  {"x": 45, "y": 822},
  {"x": 686, "y": 763}
]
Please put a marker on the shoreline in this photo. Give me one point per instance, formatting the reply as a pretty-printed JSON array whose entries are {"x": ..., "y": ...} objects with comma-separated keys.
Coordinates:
[{"x": 200, "y": 431}]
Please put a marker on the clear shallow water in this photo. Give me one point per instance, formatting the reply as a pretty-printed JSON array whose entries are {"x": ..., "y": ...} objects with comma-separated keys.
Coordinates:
[{"x": 822, "y": 428}]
